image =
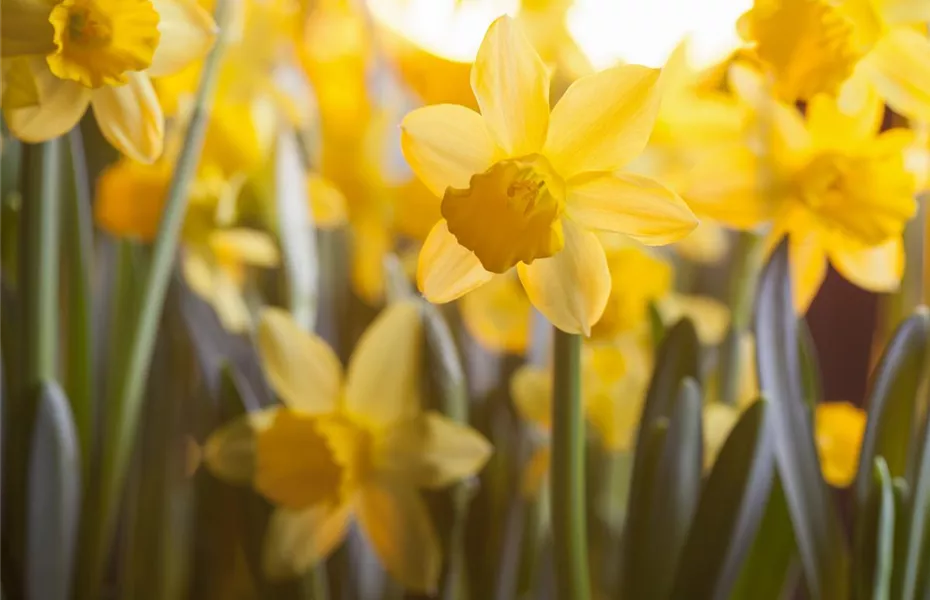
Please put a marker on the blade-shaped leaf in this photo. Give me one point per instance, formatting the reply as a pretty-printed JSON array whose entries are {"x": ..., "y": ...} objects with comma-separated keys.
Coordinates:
[
  {"x": 877, "y": 532},
  {"x": 731, "y": 507},
  {"x": 917, "y": 518},
  {"x": 54, "y": 497},
  {"x": 820, "y": 540}
]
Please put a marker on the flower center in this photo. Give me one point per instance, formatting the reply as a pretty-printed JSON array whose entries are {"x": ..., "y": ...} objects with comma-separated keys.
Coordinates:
[
  {"x": 99, "y": 41},
  {"x": 868, "y": 197},
  {"x": 509, "y": 214}
]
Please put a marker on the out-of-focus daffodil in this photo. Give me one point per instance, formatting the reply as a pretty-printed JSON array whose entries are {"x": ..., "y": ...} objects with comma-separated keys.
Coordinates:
[
  {"x": 719, "y": 418},
  {"x": 327, "y": 203},
  {"x": 347, "y": 446},
  {"x": 99, "y": 53},
  {"x": 707, "y": 244},
  {"x": 832, "y": 185},
  {"x": 613, "y": 388},
  {"x": 838, "y": 431},
  {"x": 814, "y": 46},
  {"x": 498, "y": 315},
  {"x": 523, "y": 189}
]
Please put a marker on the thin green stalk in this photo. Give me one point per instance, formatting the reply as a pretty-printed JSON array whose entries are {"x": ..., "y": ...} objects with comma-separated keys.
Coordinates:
[
  {"x": 569, "y": 527},
  {"x": 743, "y": 275},
  {"x": 123, "y": 418},
  {"x": 38, "y": 313},
  {"x": 79, "y": 379}
]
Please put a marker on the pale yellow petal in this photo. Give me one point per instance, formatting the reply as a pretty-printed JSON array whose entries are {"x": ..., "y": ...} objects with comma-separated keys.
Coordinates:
[
  {"x": 604, "y": 120},
  {"x": 636, "y": 206},
  {"x": 730, "y": 186},
  {"x": 301, "y": 367},
  {"x": 899, "y": 67},
  {"x": 249, "y": 246},
  {"x": 230, "y": 450},
  {"x": 19, "y": 84},
  {"x": 397, "y": 523},
  {"x": 430, "y": 451},
  {"x": 327, "y": 204},
  {"x": 808, "y": 267},
  {"x": 838, "y": 431},
  {"x": 226, "y": 299},
  {"x": 445, "y": 145},
  {"x": 498, "y": 315},
  {"x": 511, "y": 84},
  {"x": 371, "y": 242},
  {"x": 25, "y": 29},
  {"x": 531, "y": 391},
  {"x": 187, "y": 32},
  {"x": 383, "y": 380},
  {"x": 711, "y": 317},
  {"x": 571, "y": 288},
  {"x": 445, "y": 269},
  {"x": 874, "y": 268},
  {"x": 130, "y": 118},
  {"x": 832, "y": 127},
  {"x": 61, "y": 105},
  {"x": 297, "y": 539},
  {"x": 901, "y": 12}
]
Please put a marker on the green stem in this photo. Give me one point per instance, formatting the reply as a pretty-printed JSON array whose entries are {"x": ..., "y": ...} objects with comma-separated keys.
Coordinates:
[
  {"x": 743, "y": 275},
  {"x": 569, "y": 528},
  {"x": 38, "y": 314},
  {"x": 123, "y": 418},
  {"x": 79, "y": 380}
]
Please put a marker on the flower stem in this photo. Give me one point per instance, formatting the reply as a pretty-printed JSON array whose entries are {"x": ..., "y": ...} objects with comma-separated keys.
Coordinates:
[
  {"x": 123, "y": 416},
  {"x": 743, "y": 275},
  {"x": 569, "y": 533}
]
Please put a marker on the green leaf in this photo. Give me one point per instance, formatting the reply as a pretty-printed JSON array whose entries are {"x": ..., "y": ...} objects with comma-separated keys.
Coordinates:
[
  {"x": 730, "y": 510},
  {"x": 768, "y": 561},
  {"x": 892, "y": 402},
  {"x": 917, "y": 518},
  {"x": 821, "y": 543},
  {"x": 54, "y": 497},
  {"x": 811, "y": 382},
  {"x": 877, "y": 526}
]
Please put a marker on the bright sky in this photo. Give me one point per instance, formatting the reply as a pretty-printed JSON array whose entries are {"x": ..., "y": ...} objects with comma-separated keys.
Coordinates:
[{"x": 639, "y": 31}]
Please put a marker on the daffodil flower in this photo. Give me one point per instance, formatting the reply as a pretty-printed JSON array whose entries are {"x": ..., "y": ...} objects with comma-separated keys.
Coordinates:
[
  {"x": 838, "y": 431},
  {"x": 101, "y": 53},
  {"x": 343, "y": 447},
  {"x": 523, "y": 188},
  {"x": 838, "y": 189},
  {"x": 815, "y": 46}
]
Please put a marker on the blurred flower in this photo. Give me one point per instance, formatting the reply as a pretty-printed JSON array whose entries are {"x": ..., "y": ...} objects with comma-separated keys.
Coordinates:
[
  {"x": 544, "y": 183},
  {"x": 839, "y": 427},
  {"x": 814, "y": 46},
  {"x": 498, "y": 315},
  {"x": 99, "y": 53},
  {"x": 834, "y": 186},
  {"x": 719, "y": 418},
  {"x": 339, "y": 449},
  {"x": 613, "y": 387}
]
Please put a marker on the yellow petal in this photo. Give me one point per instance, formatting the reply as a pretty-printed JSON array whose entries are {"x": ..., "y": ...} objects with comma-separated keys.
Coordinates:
[
  {"x": 61, "y": 105},
  {"x": 130, "y": 118},
  {"x": 446, "y": 270},
  {"x": 498, "y": 315},
  {"x": 295, "y": 466},
  {"x": 230, "y": 450},
  {"x": 327, "y": 203},
  {"x": 808, "y": 266},
  {"x": 706, "y": 245},
  {"x": 839, "y": 427},
  {"x": 511, "y": 84},
  {"x": 371, "y": 242},
  {"x": 19, "y": 84},
  {"x": 633, "y": 205},
  {"x": 730, "y": 186},
  {"x": 430, "y": 451},
  {"x": 904, "y": 11},
  {"x": 187, "y": 32},
  {"x": 604, "y": 120},
  {"x": 383, "y": 383},
  {"x": 536, "y": 472},
  {"x": 242, "y": 245},
  {"x": 302, "y": 368},
  {"x": 445, "y": 145},
  {"x": 899, "y": 67},
  {"x": 130, "y": 199},
  {"x": 297, "y": 539},
  {"x": 226, "y": 299},
  {"x": 531, "y": 390},
  {"x": 25, "y": 28},
  {"x": 874, "y": 268},
  {"x": 833, "y": 128},
  {"x": 397, "y": 523},
  {"x": 571, "y": 288},
  {"x": 711, "y": 318}
]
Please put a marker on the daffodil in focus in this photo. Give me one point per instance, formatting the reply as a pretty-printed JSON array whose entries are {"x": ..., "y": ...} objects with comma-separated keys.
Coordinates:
[
  {"x": 838, "y": 431},
  {"x": 838, "y": 189},
  {"x": 100, "y": 53},
  {"x": 344, "y": 447},
  {"x": 817, "y": 46},
  {"x": 523, "y": 188}
]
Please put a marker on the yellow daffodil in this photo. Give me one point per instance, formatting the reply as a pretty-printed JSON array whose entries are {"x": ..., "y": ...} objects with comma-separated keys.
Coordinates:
[
  {"x": 838, "y": 430},
  {"x": 814, "y": 46},
  {"x": 101, "y": 53},
  {"x": 831, "y": 184},
  {"x": 524, "y": 189},
  {"x": 497, "y": 315},
  {"x": 614, "y": 381},
  {"x": 343, "y": 447}
]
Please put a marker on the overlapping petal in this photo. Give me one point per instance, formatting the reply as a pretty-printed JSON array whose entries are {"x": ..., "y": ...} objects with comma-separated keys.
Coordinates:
[
  {"x": 446, "y": 270},
  {"x": 130, "y": 117},
  {"x": 187, "y": 32},
  {"x": 875, "y": 268},
  {"x": 297, "y": 539},
  {"x": 899, "y": 67},
  {"x": 61, "y": 104}
]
